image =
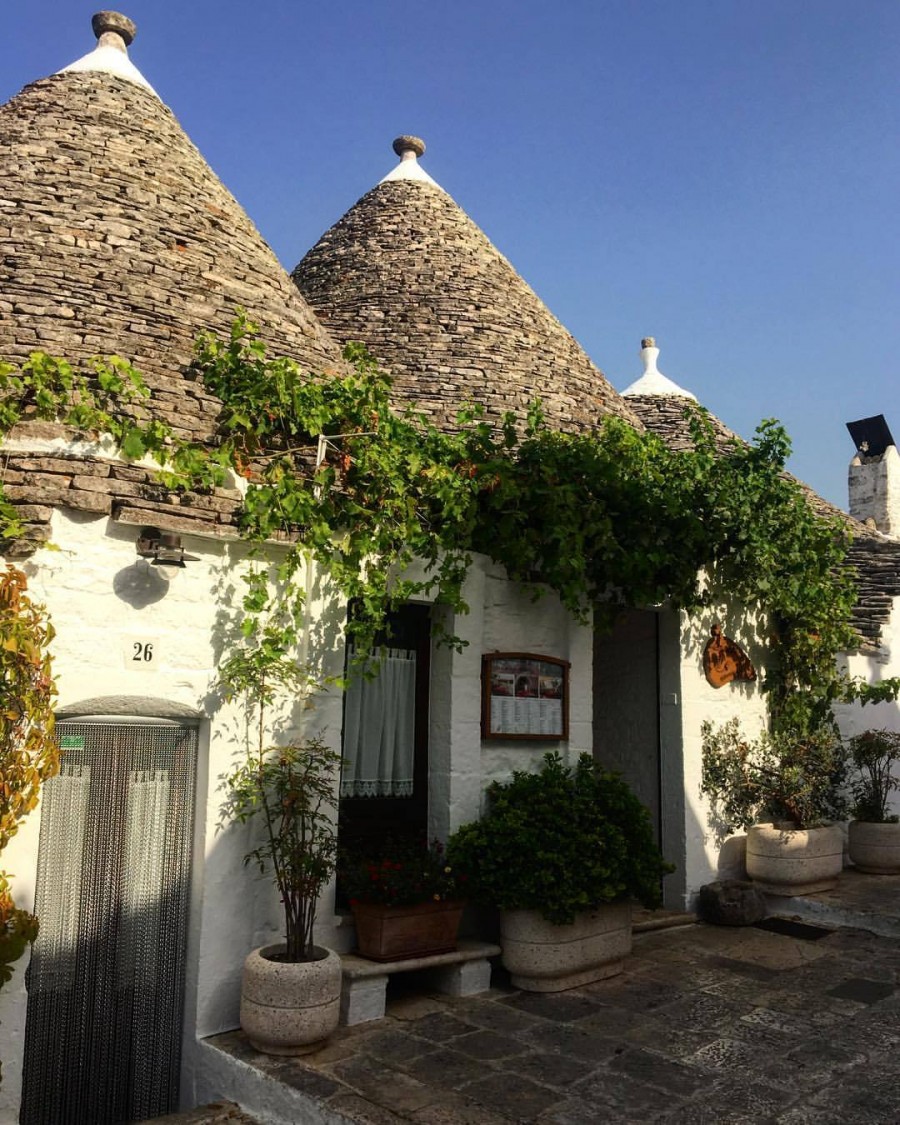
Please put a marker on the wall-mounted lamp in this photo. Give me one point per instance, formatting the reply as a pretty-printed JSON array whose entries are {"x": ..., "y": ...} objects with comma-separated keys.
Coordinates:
[{"x": 162, "y": 548}]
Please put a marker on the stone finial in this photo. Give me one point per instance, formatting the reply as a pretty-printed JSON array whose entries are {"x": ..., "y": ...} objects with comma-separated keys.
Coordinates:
[
  {"x": 648, "y": 342},
  {"x": 405, "y": 144},
  {"x": 113, "y": 29}
]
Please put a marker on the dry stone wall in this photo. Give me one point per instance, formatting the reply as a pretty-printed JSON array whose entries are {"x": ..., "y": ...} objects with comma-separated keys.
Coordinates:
[
  {"x": 117, "y": 238},
  {"x": 37, "y": 482},
  {"x": 409, "y": 274}
]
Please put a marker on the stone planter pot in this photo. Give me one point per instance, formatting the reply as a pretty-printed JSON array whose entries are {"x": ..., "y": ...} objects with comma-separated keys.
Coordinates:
[
  {"x": 875, "y": 847},
  {"x": 784, "y": 860},
  {"x": 543, "y": 957},
  {"x": 288, "y": 1008},
  {"x": 397, "y": 933}
]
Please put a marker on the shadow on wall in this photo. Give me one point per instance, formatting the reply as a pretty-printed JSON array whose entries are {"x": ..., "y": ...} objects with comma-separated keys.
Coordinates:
[{"x": 737, "y": 624}]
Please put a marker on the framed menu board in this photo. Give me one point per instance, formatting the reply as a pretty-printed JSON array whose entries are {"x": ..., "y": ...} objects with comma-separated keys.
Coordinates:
[{"x": 524, "y": 696}]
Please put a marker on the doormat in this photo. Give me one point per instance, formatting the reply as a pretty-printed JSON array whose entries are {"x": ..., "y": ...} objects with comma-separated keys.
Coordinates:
[{"x": 789, "y": 928}]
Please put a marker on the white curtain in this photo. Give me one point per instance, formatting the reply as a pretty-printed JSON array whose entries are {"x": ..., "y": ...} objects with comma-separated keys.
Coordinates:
[
  {"x": 379, "y": 729},
  {"x": 59, "y": 898},
  {"x": 145, "y": 872}
]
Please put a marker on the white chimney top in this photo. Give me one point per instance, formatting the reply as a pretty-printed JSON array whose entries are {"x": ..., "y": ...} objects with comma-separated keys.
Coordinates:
[
  {"x": 653, "y": 382},
  {"x": 114, "y": 34},
  {"x": 409, "y": 149}
]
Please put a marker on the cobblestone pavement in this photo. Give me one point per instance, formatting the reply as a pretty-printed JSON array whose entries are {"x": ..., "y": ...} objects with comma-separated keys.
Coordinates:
[{"x": 706, "y": 1025}]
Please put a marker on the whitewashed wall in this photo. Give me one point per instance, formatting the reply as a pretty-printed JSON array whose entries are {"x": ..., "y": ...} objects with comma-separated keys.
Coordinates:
[
  {"x": 705, "y": 858},
  {"x": 855, "y": 718},
  {"x": 98, "y": 595},
  {"x": 103, "y": 602}
]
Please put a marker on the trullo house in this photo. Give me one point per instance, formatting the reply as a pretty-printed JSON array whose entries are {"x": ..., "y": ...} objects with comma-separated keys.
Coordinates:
[{"x": 116, "y": 238}]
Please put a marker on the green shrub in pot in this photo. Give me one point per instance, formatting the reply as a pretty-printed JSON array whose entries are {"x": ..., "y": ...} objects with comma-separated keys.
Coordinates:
[
  {"x": 561, "y": 841},
  {"x": 874, "y": 834},
  {"x": 873, "y": 755},
  {"x": 787, "y": 788}
]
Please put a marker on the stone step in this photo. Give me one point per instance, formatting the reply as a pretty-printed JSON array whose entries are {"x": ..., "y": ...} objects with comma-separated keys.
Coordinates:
[{"x": 216, "y": 1113}]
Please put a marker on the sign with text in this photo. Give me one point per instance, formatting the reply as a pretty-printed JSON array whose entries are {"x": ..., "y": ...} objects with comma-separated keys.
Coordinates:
[{"x": 524, "y": 696}]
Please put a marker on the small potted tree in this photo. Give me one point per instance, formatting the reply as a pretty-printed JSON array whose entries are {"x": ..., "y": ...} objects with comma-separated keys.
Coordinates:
[
  {"x": 786, "y": 789},
  {"x": 290, "y": 995},
  {"x": 874, "y": 834},
  {"x": 562, "y": 853}
]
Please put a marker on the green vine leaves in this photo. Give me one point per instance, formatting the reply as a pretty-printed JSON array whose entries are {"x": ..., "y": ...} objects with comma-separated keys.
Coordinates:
[{"x": 606, "y": 518}]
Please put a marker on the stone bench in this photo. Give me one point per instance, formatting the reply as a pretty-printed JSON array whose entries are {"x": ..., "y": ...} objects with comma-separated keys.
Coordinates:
[{"x": 464, "y": 972}]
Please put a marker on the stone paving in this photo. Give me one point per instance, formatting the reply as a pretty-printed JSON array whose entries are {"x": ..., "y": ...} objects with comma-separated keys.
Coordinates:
[
  {"x": 219, "y": 1113},
  {"x": 707, "y": 1025}
]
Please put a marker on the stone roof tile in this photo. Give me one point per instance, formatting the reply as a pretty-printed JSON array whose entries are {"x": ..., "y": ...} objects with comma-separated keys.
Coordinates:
[
  {"x": 410, "y": 275},
  {"x": 117, "y": 237}
]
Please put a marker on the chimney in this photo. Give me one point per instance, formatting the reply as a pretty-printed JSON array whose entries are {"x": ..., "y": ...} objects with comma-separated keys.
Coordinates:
[{"x": 874, "y": 476}]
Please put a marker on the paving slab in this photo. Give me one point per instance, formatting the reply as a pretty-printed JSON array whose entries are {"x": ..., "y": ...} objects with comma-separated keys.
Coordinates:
[{"x": 706, "y": 1024}]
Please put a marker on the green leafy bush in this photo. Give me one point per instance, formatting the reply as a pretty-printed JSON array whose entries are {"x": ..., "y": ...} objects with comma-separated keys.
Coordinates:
[
  {"x": 782, "y": 776},
  {"x": 561, "y": 841},
  {"x": 873, "y": 754}
]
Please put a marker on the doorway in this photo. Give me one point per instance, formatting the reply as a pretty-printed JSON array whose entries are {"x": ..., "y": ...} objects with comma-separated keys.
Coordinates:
[
  {"x": 626, "y": 706},
  {"x": 384, "y": 780},
  {"x": 106, "y": 979}
]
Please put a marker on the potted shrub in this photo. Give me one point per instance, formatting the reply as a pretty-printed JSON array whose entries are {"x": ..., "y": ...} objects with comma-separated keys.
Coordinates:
[
  {"x": 406, "y": 901},
  {"x": 786, "y": 789},
  {"x": 562, "y": 853},
  {"x": 291, "y": 992},
  {"x": 874, "y": 834}
]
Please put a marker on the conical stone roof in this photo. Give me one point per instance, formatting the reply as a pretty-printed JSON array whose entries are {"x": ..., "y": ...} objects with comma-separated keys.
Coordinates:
[
  {"x": 117, "y": 237},
  {"x": 409, "y": 274}
]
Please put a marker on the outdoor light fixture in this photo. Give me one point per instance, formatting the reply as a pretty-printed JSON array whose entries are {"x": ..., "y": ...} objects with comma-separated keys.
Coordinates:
[
  {"x": 162, "y": 548},
  {"x": 871, "y": 436}
]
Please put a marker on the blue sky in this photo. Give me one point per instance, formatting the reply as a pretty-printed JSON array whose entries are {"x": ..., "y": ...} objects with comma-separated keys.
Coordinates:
[{"x": 721, "y": 174}]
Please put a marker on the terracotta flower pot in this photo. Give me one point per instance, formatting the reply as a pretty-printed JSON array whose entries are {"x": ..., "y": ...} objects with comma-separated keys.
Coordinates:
[
  {"x": 544, "y": 957},
  {"x": 397, "y": 933},
  {"x": 875, "y": 847},
  {"x": 784, "y": 860},
  {"x": 288, "y": 1008}
]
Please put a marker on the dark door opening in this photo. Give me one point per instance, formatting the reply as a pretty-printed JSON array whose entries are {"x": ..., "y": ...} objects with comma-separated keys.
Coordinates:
[
  {"x": 626, "y": 706},
  {"x": 384, "y": 782}
]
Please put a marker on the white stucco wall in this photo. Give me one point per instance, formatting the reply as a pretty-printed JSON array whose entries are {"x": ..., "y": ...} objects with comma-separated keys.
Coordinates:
[
  {"x": 502, "y": 617},
  {"x": 854, "y": 718},
  {"x": 874, "y": 490},
  {"x": 706, "y": 858},
  {"x": 103, "y": 602}
]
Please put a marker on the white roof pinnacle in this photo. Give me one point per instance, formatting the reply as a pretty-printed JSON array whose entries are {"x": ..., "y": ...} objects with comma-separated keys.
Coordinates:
[
  {"x": 114, "y": 32},
  {"x": 409, "y": 149},
  {"x": 653, "y": 382}
]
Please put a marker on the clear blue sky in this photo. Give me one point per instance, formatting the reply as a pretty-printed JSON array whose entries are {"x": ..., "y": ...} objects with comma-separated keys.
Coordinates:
[{"x": 721, "y": 174}]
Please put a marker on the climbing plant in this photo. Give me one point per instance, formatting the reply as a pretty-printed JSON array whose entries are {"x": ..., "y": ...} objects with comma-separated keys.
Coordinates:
[
  {"x": 28, "y": 751},
  {"x": 606, "y": 519}
]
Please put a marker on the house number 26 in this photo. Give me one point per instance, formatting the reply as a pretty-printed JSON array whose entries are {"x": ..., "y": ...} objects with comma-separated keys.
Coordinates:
[{"x": 143, "y": 651}]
